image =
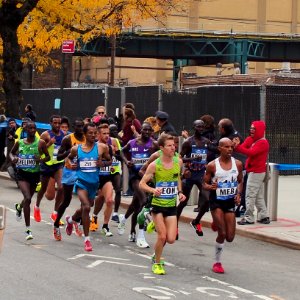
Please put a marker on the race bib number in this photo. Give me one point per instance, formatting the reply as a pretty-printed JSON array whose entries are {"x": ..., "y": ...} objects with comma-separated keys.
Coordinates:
[
  {"x": 88, "y": 165},
  {"x": 115, "y": 162},
  {"x": 104, "y": 171},
  {"x": 26, "y": 162},
  {"x": 226, "y": 190},
  {"x": 139, "y": 159},
  {"x": 55, "y": 152},
  {"x": 169, "y": 190},
  {"x": 196, "y": 152}
]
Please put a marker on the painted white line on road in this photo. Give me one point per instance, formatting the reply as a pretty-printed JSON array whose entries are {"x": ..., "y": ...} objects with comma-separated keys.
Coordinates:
[
  {"x": 97, "y": 256},
  {"x": 114, "y": 245},
  {"x": 98, "y": 262},
  {"x": 236, "y": 288}
]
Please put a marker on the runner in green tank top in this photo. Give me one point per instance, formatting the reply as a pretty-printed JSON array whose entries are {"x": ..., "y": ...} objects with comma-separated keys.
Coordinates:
[
  {"x": 27, "y": 154},
  {"x": 165, "y": 171}
]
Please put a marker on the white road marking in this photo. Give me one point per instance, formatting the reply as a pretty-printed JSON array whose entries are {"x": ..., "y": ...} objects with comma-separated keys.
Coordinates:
[
  {"x": 97, "y": 256},
  {"x": 98, "y": 262},
  {"x": 236, "y": 288}
]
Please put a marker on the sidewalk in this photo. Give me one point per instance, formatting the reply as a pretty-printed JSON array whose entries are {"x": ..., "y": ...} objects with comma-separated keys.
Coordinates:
[{"x": 285, "y": 231}]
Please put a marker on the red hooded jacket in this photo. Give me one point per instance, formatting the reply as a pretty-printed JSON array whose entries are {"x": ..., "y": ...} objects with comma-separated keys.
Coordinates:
[{"x": 256, "y": 148}]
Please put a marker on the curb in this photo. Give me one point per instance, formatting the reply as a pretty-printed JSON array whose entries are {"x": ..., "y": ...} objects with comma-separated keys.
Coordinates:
[
  {"x": 257, "y": 236},
  {"x": 207, "y": 224}
]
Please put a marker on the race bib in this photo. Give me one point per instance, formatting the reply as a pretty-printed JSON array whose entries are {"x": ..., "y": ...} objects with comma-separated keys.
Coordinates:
[
  {"x": 139, "y": 159},
  {"x": 196, "y": 152},
  {"x": 169, "y": 190},
  {"x": 104, "y": 171},
  {"x": 87, "y": 165},
  {"x": 55, "y": 152},
  {"x": 26, "y": 161},
  {"x": 226, "y": 190}
]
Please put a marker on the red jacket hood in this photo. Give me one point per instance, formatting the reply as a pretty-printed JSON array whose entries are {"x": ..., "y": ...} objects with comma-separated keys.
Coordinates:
[{"x": 260, "y": 128}]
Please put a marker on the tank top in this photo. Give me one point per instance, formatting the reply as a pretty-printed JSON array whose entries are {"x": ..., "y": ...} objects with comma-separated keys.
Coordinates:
[
  {"x": 27, "y": 154},
  {"x": 74, "y": 142},
  {"x": 140, "y": 153},
  {"x": 53, "y": 149},
  {"x": 197, "y": 165},
  {"x": 116, "y": 164},
  {"x": 87, "y": 170},
  {"x": 167, "y": 180},
  {"x": 105, "y": 171},
  {"x": 227, "y": 180}
]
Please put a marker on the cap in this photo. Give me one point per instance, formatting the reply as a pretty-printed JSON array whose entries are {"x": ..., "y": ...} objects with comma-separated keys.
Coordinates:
[{"x": 161, "y": 115}]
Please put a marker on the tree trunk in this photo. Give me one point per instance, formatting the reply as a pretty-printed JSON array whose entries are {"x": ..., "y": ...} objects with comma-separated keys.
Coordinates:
[{"x": 12, "y": 69}]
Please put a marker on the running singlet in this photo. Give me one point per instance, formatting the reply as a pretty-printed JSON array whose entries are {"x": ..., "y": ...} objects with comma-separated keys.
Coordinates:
[
  {"x": 87, "y": 165},
  {"x": 140, "y": 153},
  {"x": 167, "y": 180},
  {"x": 116, "y": 164},
  {"x": 53, "y": 149},
  {"x": 74, "y": 142},
  {"x": 27, "y": 155},
  {"x": 105, "y": 171},
  {"x": 227, "y": 180},
  {"x": 198, "y": 165}
]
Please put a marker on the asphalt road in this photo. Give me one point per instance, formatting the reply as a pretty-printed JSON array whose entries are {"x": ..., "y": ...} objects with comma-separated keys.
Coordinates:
[{"x": 117, "y": 269}]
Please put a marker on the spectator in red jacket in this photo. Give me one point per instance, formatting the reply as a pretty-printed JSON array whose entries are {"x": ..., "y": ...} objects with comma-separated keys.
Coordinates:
[{"x": 256, "y": 148}]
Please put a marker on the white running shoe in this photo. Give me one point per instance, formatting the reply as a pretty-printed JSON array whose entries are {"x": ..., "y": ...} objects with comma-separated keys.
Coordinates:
[
  {"x": 142, "y": 243},
  {"x": 132, "y": 237},
  {"x": 121, "y": 225},
  {"x": 106, "y": 232}
]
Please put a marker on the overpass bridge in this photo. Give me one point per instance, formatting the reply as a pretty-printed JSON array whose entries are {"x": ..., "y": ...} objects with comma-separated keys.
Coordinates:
[{"x": 198, "y": 48}]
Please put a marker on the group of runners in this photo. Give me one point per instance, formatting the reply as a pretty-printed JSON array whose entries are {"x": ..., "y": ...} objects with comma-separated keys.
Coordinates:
[{"x": 88, "y": 162}]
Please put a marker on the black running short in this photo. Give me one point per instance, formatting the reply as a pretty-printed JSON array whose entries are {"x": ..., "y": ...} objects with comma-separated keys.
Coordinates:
[
  {"x": 49, "y": 171},
  {"x": 166, "y": 211},
  {"x": 33, "y": 178},
  {"x": 225, "y": 205}
]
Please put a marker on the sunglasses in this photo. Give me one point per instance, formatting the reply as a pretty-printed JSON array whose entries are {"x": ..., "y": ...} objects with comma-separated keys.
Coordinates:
[{"x": 101, "y": 112}]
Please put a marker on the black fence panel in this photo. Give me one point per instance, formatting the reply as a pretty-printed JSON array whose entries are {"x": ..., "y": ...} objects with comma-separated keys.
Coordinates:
[
  {"x": 145, "y": 99},
  {"x": 114, "y": 101},
  {"x": 241, "y": 104},
  {"x": 283, "y": 124},
  {"x": 75, "y": 103}
]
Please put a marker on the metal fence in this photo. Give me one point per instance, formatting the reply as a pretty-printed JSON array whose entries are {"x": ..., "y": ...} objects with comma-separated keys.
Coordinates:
[{"x": 277, "y": 104}]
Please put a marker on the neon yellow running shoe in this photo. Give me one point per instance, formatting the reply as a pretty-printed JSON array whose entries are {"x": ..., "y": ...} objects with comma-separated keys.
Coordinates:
[
  {"x": 158, "y": 269},
  {"x": 150, "y": 227},
  {"x": 38, "y": 187}
]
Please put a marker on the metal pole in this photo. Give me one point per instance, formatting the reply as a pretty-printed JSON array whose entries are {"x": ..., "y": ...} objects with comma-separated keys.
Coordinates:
[
  {"x": 262, "y": 99},
  {"x": 160, "y": 102},
  {"x": 271, "y": 192},
  {"x": 106, "y": 97},
  {"x": 62, "y": 80}
]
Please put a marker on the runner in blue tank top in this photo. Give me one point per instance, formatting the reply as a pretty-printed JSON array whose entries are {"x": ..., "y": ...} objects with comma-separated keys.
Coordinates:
[
  {"x": 139, "y": 150},
  {"x": 89, "y": 160}
]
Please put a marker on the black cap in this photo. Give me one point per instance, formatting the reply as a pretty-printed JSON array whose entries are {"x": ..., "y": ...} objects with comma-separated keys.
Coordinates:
[{"x": 162, "y": 115}]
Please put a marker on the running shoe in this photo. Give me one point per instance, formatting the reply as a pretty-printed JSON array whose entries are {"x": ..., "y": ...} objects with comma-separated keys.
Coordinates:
[
  {"x": 197, "y": 228},
  {"x": 218, "y": 268},
  {"x": 244, "y": 221},
  {"x": 132, "y": 237},
  {"x": 121, "y": 226},
  {"x": 53, "y": 216},
  {"x": 69, "y": 226},
  {"x": 115, "y": 218},
  {"x": 106, "y": 232},
  {"x": 142, "y": 243},
  {"x": 78, "y": 232},
  {"x": 162, "y": 261},
  {"x": 88, "y": 246},
  {"x": 158, "y": 269},
  {"x": 38, "y": 187},
  {"x": 150, "y": 227},
  {"x": 213, "y": 227},
  {"x": 56, "y": 233},
  {"x": 37, "y": 214},
  {"x": 94, "y": 224},
  {"x": 18, "y": 212},
  {"x": 29, "y": 235}
]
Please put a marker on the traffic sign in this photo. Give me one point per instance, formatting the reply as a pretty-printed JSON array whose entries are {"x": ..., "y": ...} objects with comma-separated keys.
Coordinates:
[{"x": 68, "y": 46}]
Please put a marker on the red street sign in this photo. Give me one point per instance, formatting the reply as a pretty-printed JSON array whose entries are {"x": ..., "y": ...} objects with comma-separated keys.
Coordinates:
[{"x": 68, "y": 46}]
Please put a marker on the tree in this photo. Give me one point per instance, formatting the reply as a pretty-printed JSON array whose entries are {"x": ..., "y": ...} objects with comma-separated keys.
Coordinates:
[{"x": 31, "y": 29}]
